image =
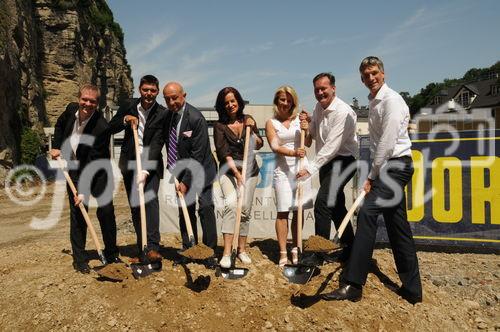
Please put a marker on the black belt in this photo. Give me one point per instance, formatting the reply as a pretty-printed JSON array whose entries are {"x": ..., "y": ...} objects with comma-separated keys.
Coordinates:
[{"x": 402, "y": 158}]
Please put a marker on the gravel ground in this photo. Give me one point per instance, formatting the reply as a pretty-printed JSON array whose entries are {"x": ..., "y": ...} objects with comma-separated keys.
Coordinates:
[{"x": 40, "y": 291}]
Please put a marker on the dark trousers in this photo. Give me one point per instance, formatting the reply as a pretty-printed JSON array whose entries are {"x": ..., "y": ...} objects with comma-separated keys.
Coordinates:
[
  {"x": 330, "y": 200},
  {"x": 151, "y": 206},
  {"x": 207, "y": 219},
  {"x": 78, "y": 228},
  {"x": 400, "y": 171}
]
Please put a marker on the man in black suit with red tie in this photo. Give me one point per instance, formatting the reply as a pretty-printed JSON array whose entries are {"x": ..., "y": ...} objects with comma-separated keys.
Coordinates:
[
  {"x": 81, "y": 137},
  {"x": 148, "y": 116},
  {"x": 191, "y": 161}
]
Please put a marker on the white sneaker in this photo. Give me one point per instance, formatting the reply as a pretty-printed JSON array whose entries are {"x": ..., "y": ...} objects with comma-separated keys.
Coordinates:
[
  {"x": 244, "y": 258},
  {"x": 225, "y": 262}
]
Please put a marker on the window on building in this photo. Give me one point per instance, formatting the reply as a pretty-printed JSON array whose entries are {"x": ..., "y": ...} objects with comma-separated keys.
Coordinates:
[
  {"x": 495, "y": 89},
  {"x": 465, "y": 99}
]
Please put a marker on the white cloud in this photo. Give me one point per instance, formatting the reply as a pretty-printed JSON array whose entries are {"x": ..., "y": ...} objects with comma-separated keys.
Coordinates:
[
  {"x": 304, "y": 40},
  {"x": 145, "y": 47},
  {"x": 206, "y": 57},
  {"x": 205, "y": 100},
  {"x": 408, "y": 35},
  {"x": 261, "y": 48}
]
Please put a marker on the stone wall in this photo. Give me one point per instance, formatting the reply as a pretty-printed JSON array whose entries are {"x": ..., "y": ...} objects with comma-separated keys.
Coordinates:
[{"x": 48, "y": 48}]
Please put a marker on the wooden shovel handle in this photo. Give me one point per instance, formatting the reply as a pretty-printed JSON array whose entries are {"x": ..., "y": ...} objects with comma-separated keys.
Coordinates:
[
  {"x": 241, "y": 189},
  {"x": 185, "y": 212},
  {"x": 142, "y": 204},
  {"x": 298, "y": 195},
  {"x": 349, "y": 214},
  {"x": 82, "y": 208}
]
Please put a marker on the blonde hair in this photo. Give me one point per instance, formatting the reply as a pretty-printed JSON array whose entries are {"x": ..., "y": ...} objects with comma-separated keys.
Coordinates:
[
  {"x": 295, "y": 100},
  {"x": 89, "y": 87}
]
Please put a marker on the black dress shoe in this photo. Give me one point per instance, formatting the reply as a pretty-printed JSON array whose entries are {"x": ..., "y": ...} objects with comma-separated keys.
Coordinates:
[
  {"x": 210, "y": 262},
  {"x": 81, "y": 267},
  {"x": 344, "y": 292},
  {"x": 412, "y": 298},
  {"x": 153, "y": 256},
  {"x": 113, "y": 260}
]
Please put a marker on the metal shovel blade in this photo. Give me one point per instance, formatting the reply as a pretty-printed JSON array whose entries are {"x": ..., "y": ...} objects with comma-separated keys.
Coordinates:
[
  {"x": 311, "y": 259},
  {"x": 299, "y": 274},
  {"x": 143, "y": 270},
  {"x": 231, "y": 273},
  {"x": 102, "y": 258}
]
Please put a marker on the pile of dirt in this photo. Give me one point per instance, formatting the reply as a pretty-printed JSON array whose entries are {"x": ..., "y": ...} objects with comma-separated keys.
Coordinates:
[
  {"x": 318, "y": 243},
  {"x": 115, "y": 271},
  {"x": 461, "y": 291},
  {"x": 199, "y": 251}
]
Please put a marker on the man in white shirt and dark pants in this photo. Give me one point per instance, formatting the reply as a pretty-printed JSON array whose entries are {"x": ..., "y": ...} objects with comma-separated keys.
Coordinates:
[
  {"x": 391, "y": 170},
  {"x": 333, "y": 127}
]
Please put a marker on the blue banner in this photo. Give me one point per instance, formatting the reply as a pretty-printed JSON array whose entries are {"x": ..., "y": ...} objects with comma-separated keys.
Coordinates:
[{"x": 453, "y": 198}]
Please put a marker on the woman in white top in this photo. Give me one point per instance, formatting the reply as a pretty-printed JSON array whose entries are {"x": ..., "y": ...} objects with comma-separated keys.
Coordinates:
[{"x": 283, "y": 135}]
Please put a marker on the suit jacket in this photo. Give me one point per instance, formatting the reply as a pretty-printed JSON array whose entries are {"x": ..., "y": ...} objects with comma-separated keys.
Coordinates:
[
  {"x": 192, "y": 143},
  {"x": 153, "y": 136},
  {"x": 85, "y": 154}
]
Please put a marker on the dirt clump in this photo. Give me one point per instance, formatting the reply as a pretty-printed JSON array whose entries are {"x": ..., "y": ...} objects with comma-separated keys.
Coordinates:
[
  {"x": 115, "y": 271},
  {"x": 199, "y": 251},
  {"x": 319, "y": 243}
]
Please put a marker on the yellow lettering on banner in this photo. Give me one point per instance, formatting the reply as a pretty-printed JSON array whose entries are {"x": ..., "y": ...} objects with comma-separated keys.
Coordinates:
[
  {"x": 416, "y": 213},
  {"x": 454, "y": 167},
  {"x": 480, "y": 194}
]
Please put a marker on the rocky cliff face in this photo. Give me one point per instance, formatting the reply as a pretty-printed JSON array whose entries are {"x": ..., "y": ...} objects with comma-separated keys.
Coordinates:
[{"x": 48, "y": 48}]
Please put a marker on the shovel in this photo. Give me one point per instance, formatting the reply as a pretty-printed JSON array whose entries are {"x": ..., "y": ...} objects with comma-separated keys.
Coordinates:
[
  {"x": 346, "y": 221},
  {"x": 194, "y": 251},
  {"x": 84, "y": 213},
  {"x": 233, "y": 272},
  {"x": 299, "y": 273},
  {"x": 348, "y": 216},
  {"x": 143, "y": 268}
]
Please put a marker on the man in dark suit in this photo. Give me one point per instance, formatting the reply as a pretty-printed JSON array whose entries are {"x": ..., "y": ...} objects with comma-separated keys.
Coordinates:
[
  {"x": 191, "y": 161},
  {"x": 148, "y": 116},
  {"x": 81, "y": 137}
]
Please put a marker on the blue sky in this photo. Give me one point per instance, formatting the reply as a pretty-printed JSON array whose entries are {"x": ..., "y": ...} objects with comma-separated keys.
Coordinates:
[{"x": 256, "y": 46}]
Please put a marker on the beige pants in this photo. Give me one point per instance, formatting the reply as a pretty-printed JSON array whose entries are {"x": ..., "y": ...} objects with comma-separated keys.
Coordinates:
[{"x": 230, "y": 195}]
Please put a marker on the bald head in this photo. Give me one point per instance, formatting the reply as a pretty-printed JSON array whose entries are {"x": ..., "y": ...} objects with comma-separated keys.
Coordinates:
[{"x": 174, "y": 95}]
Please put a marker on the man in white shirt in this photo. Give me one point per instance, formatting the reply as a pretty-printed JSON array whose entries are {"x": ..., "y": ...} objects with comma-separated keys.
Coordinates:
[
  {"x": 333, "y": 127},
  {"x": 391, "y": 170}
]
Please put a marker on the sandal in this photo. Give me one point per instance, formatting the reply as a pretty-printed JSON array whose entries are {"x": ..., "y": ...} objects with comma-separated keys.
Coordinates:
[
  {"x": 283, "y": 260},
  {"x": 295, "y": 255}
]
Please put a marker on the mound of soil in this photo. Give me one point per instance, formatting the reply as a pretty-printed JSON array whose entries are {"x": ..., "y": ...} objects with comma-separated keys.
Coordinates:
[
  {"x": 42, "y": 292},
  {"x": 319, "y": 243},
  {"x": 199, "y": 251},
  {"x": 115, "y": 271}
]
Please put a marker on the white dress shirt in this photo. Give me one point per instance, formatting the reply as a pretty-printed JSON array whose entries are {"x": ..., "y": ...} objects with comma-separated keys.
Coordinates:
[
  {"x": 77, "y": 132},
  {"x": 143, "y": 117},
  {"x": 388, "y": 126},
  {"x": 334, "y": 130},
  {"x": 180, "y": 114}
]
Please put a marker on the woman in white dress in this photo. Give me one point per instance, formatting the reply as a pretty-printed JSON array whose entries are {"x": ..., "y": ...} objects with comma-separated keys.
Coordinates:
[{"x": 283, "y": 135}]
